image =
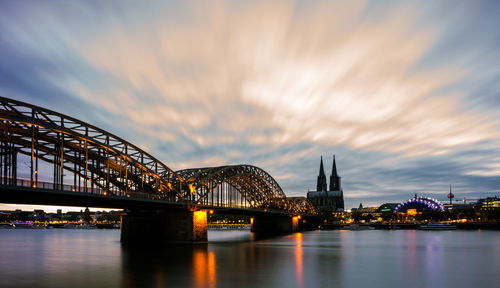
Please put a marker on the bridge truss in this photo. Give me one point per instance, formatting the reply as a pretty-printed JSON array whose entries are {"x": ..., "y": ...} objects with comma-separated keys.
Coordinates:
[
  {"x": 101, "y": 163},
  {"x": 237, "y": 185}
]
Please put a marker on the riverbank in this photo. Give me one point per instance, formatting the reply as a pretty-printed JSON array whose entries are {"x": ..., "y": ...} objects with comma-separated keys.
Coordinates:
[{"x": 410, "y": 226}]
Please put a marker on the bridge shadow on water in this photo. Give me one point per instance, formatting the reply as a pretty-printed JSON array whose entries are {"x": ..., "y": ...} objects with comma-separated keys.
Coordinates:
[
  {"x": 247, "y": 260},
  {"x": 175, "y": 265},
  {"x": 185, "y": 264}
]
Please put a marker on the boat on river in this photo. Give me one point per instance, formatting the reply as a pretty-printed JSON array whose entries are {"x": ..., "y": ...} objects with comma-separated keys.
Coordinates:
[
  {"x": 26, "y": 225},
  {"x": 437, "y": 227},
  {"x": 357, "y": 227},
  {"x": 79, "y": 226}
]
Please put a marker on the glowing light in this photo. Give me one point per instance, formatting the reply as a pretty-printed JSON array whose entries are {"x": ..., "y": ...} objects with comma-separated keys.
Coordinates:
[
  {"x": 251, "y": 221},
  {"x": 105, "y": 193},
  {"x": 411, "y": 212},
  {"x": 427, "y": 202},
  {"x": 349, "y": 221},
  {"x": 211, "y": 211},
  {"x": 295, "y": 223},
  {"x": 199, "y": 217},
  {"x": 200, "y": 224},
  {"x": 192, "y": 189}
]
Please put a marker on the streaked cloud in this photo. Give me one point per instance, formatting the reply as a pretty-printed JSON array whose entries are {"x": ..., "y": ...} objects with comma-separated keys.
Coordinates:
[{"x": 386, "y": 86}]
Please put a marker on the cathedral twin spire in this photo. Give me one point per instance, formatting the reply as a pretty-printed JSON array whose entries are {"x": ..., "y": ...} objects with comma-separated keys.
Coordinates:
[
  {"x": 321, "y": 186},
  {"x": 334, "y": 178}
]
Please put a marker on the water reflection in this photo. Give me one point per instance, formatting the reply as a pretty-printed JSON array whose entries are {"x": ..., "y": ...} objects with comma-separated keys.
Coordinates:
[
  {"x": 204, "y": 268},
  {"x": 168, "y": 265},
  {"x": 299, "y": 265},
  {"x": 267, "y": 262},
  {"x": 231, "y": 259}
]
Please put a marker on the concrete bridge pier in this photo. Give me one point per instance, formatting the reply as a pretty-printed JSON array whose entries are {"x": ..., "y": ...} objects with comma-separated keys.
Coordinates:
[
  {"x": 164, "y": 226},
  {"x": 275, "y": 224}
]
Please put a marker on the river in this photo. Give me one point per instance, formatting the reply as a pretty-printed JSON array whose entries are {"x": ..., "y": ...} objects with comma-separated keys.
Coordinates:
[{"x": 373, "y": 258}]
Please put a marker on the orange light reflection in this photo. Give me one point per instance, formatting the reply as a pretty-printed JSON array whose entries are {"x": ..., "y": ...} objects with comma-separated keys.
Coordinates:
[
  {"x": 204, "y": 268},
  {"x": 299, "y": 265}
]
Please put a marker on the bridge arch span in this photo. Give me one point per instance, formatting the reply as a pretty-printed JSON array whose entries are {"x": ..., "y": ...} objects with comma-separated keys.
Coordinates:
[
  {"x": 301, "y": 205},
  {"x": 247, "y": 186},
  {"x": 101, "y": 162},
  {"x": 104, "y": 164}
]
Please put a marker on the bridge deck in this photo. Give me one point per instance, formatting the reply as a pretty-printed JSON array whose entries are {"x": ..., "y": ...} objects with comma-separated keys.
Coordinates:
[{"x": 39, "y": 196}]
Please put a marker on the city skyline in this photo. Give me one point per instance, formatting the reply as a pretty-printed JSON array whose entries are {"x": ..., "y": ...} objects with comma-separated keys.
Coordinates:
[{"x": 405, "y": 94}]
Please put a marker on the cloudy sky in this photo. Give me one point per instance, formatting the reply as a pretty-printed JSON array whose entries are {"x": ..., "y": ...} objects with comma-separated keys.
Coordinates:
[{"x": 405, "y": 94}]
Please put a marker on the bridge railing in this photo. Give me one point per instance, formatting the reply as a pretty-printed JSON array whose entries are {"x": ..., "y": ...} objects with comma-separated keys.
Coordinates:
[
  {"x": 53, "y": 186},
  {"x": 72, "y": 188}
]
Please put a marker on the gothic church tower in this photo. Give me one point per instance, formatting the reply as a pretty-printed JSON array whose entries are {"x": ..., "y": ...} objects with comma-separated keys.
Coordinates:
[
  {"x": 321, "y": 185},
  {"x": 334, "y": 178}
]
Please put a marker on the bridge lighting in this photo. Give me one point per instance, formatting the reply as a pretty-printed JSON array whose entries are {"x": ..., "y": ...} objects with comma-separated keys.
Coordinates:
[
  {"x": 192, "y": 189},
  {"x": 261, "y": 191},
  {"x": 199, "y": 219},
  {"x": 411, "y": 212}
]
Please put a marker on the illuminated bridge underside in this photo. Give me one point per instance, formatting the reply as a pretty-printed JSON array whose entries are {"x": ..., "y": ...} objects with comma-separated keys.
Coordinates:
[{"x": 87, "y": 159}]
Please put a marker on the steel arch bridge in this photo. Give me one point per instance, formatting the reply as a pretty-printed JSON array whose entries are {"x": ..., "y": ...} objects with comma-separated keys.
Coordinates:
[
  {"x": 240, "y": 182},
  {"x": 101, "y": 163},
  {"x": 299, "y": 204}
]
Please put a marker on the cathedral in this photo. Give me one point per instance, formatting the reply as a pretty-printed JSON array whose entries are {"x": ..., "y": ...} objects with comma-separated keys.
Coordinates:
[{"x": 331, "y": 199}]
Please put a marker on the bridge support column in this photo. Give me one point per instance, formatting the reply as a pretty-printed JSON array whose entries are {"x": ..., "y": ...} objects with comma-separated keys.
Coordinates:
[
  {"x": 275, "y": 224},
  {"x": 164, "y": 226}
]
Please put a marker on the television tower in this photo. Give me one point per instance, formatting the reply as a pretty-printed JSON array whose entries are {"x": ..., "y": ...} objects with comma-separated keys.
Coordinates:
[{"x": 450, "y": 196}]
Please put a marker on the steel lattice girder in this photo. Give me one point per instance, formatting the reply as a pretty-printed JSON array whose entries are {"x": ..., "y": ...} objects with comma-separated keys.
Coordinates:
[
  {"x": 114, "y": 164},
  {"x": 302, "y": 205},
  {"x": 57, "y": 134},
  {"x": 257, "y": 187}
]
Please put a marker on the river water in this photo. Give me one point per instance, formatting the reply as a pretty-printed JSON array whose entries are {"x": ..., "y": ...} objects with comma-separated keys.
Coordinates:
[{"x": 374, "y": 258}]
